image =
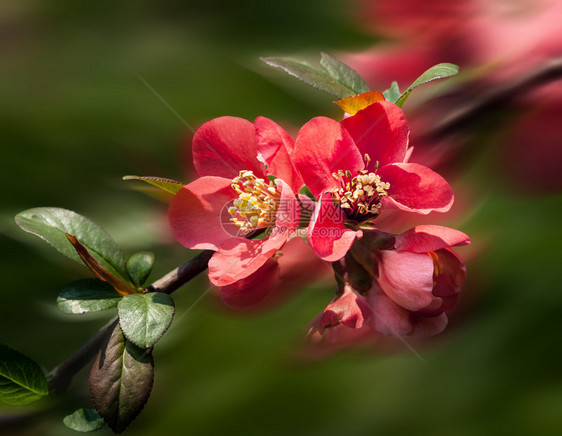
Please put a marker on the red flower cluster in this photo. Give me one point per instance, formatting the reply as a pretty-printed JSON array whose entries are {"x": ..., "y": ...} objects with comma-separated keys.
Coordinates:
[{"x": 247, "y": 204}]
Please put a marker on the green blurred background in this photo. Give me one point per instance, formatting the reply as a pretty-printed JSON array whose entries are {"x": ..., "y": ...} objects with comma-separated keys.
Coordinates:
[{"x": 76, "y": 118}]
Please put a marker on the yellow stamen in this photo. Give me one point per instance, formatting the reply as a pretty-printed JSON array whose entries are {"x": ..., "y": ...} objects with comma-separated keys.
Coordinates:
[
  {"x": 256, "y": 204},
  {"x": 360, "y": 196}
]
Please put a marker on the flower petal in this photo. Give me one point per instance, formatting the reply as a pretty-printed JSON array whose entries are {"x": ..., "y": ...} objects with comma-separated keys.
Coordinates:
[
  {"x": 274, "y": 147},
  {"x": 253, "y": 289},
  {"x": 449, "y": 278},
  {"x": 415, "y": 188},
  {"x": 225, "y": 146},
  {"x": 388, "y": 317},
  {"x": 355, "y": 103},
  {"x": 349, "y": 309},
  {"x": 407, "y": 278},
  {"x": 288, "y": 211},
  {"x": 381, "y": 131},
  {"x": 198, "y": 213},
  {"x": 322, "y": 148},
  {"x": 237, "y": 259},
  {"x": 427, "y": 326},
  {"x": 327, "y": 234},
  {"x": 392, "y": 320},
  {"x": 426, "y": 238}
]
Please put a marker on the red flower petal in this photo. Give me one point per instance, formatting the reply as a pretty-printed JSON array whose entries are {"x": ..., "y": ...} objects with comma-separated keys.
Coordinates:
[
  {"x": 288, "y": 211},
  {"x": 415, "y": 188},
  {"x": 423, "y": 239},
  {"x": 407, "y": 278},
  {"x": 449, "y": 278},
  {"x": 388, "y": 318},
  {"x": 322, "y": 148},
  {"x": 392, "y": 320},
  {"x": 327, "y": 234},
  {"x": 427, "y": 326},
  {"x": 198, "y": 214},
  {"x": 349, "y": 309},
  {"x": 381, "y": 131},
  {"x": 225, "y": 146},
  {"x": 237, "y": 259},
  {"x": 253, "y": 289},
  {"x": 274, "y": 147}
]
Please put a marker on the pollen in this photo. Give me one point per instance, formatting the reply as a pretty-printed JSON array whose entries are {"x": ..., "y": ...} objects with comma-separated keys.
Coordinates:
[
  {"x": 360, "y": 196},
  {"x": 257, "y": 202}
]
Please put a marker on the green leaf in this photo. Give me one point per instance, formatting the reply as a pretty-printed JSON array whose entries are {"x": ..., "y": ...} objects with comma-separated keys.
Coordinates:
[
  {"x": 439, "y": 71},
  {"x": 84, "y": 420},
  {"x": 343, "y": 73},
  {"x": 305, "y": 190},
  {"x": 144, "y": 318},
  {"x": 120, "y": 381},
  {"x": 87, "y": 295},
  {"x": 314, "y": 77},
  {"x": 139, "y": 267},
  {"x": 168, "y": 185},
  {"x": 392, "y": 94},
  {"x": 51, "y": 224},
  {"x": 21, "y": 380}
]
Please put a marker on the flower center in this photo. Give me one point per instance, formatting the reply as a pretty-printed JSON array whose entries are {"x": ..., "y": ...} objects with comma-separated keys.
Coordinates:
[
  {"x": 257, "y": 202},
  {"x": 360, "y": 196}
]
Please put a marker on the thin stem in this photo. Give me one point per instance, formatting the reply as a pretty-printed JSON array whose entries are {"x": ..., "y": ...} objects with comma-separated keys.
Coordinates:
[
  {"x": 465, "y": 116},
  {"x": 181, "y": 275}
]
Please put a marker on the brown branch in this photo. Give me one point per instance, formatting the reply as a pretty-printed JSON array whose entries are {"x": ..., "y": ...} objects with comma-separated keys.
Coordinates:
[
  {"x": 180, "y": 276},
  {"x": 465, "y": 117},
  {"x": 59, "y": 378}
]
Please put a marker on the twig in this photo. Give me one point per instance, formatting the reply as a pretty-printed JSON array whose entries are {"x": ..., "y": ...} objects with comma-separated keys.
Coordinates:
[
  {"x": 59, "y": 378},
  {"x": 465, "y": 117},
  {"x": 180, "y": 276}
]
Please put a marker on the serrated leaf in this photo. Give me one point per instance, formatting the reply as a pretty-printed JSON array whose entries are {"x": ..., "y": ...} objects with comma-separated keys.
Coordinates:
[
  {"x": 314, "y": 77},
  {"x": 139, "y": 267},
  {"x": 439, "y": 71},
  {"x": 392, "y": 94},
  {"x": 120, "y": 380},
  {"x": 21, "y": 380},
  {"x": 87, "y": 295},
  {"x": 84, "y": 420},
  {"x": 144, "y": 318},
  {"x": 343, "y": 73},
  {"x": 168, "y": 185},
  {"x": 51, "y": 224}
]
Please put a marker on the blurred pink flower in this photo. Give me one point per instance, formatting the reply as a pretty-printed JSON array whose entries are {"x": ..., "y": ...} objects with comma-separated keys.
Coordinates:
[
  {"x": 415, "y": 279},
  {"x": 493, "y": 42}
]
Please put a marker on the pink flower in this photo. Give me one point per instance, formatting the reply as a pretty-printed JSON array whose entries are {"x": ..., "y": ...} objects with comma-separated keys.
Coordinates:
[
  {"x": 356, "y": 169},
  {"x": 234, "y": 196},
  {"x": 418, "y": 280},
  {"x": 394, "y": 286}
]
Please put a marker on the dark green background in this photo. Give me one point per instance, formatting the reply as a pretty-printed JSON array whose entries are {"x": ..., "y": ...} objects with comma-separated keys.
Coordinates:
[{"x": 75, "y": 118}]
